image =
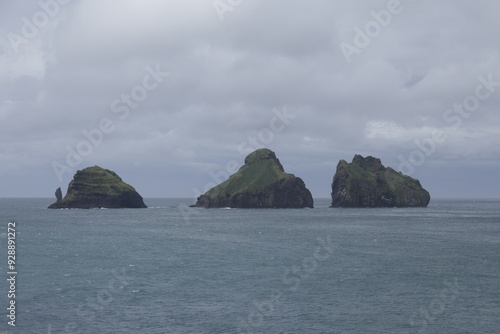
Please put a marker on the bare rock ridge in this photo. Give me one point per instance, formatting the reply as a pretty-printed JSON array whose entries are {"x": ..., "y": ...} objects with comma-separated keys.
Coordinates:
[
  {"x": 96, "y": 187},
  {"x": 365, "y": 182},
  {"x": 260, "y": 183}
]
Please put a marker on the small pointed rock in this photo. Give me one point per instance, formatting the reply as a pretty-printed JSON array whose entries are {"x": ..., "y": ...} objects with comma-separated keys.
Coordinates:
[{"x": 58, "y": 195}]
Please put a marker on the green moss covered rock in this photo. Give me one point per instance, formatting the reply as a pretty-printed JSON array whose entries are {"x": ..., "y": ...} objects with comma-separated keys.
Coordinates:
[
  {"x": 365, "y": 182},
  {"x": 260, "y": 183},
  {"x": 96, "y": 187}
]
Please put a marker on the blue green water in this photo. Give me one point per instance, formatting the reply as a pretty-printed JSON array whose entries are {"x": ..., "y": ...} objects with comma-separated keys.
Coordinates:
[{"x": 173, "y": 269}]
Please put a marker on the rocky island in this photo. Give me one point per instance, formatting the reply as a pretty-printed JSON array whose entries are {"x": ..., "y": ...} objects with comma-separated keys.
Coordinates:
[
  {"x": 365, "y": 182},
  {"x": 96, "y": 187},
  {"x": 260, "y": 183}
]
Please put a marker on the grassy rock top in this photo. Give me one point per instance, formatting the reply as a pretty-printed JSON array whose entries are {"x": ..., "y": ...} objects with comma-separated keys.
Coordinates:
[
  {"x": 261, "y": 169},
  {"x": 99, "y": 180},
  {"x": 260, "y": 183},
  {"x": 371, "y": 168}
]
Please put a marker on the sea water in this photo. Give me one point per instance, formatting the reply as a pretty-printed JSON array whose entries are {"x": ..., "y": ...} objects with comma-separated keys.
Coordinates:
[{"x": 174, "y": 269}]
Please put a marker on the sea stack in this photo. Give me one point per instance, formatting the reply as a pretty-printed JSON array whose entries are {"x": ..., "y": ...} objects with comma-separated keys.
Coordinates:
[
  {"x": 96, "y": 187},
  {"x": 58, "y": 195},
  {"x": 366, "y": 183},
  {"x": 260, "y": 183}
]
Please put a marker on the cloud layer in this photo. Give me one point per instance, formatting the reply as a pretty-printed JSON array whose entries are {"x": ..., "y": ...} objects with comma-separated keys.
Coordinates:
[{"x": 230, "y": 69}]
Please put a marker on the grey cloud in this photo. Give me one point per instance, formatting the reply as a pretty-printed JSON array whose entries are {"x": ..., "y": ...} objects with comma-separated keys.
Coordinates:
[{"x": 226, "y": 77}]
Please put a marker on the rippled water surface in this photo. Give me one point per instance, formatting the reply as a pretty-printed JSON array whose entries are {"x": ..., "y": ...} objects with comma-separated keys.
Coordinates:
[{"x": 172, "y": 269}]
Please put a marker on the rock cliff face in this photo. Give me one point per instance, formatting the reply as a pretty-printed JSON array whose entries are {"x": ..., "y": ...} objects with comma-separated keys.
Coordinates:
[
  {"x": 365, "y": 182},
  {"x": 95, "y": 187},
  {"x": 260, "y": 183}
]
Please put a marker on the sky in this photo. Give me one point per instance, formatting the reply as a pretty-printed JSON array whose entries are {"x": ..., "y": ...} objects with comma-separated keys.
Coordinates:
[{"x": 172, "y": 95}]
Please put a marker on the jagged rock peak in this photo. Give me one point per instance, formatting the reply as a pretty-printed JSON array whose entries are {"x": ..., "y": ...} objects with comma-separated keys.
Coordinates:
[
  {"x": 368, "y": 162},
  {"x": 365, "y": 182}
]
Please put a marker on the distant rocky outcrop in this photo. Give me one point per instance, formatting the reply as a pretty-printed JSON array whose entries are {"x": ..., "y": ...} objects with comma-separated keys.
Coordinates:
[
  {"x": 58, "y": 195},
  {"x": 365, "y": 182},
  {"x": 96, "y": 187},
  {"x": 260, "y": 183}
]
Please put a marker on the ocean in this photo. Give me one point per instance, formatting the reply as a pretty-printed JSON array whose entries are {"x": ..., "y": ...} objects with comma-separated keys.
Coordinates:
[{"x": 174, "y": 269}]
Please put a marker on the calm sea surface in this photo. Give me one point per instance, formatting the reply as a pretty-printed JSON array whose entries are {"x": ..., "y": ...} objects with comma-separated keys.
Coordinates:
[{"x": 173, "y": 269}]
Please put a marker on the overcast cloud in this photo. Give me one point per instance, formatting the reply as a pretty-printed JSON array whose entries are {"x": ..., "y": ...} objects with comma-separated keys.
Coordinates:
[{"x": 297, "y": 76}]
